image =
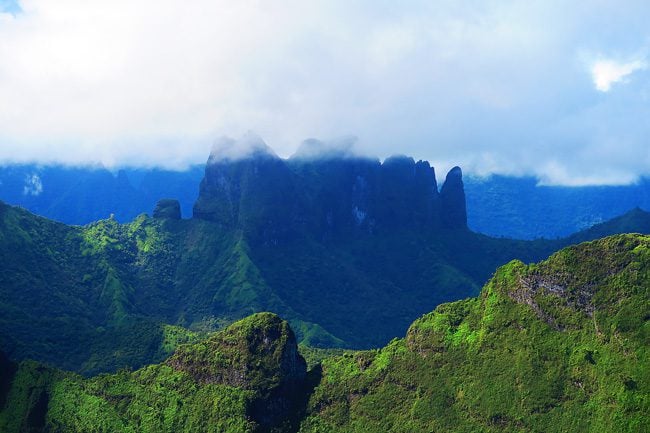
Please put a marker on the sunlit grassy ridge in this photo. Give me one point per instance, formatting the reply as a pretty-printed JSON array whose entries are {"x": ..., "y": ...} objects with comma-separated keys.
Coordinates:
[{"x": 527, "y": 355}]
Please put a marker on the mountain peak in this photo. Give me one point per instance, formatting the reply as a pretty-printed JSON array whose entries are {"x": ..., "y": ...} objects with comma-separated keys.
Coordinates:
[
  {"x": 247, "y": 185},
  {"x": 452, "y": 194},
  {"x": 398, "y": 159},
  {"x": 455, "y": 173},
  {"x": 259, "y": 354}
]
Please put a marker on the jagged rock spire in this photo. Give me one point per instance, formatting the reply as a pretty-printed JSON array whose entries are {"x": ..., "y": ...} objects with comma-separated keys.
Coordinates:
[
  {"x": 452, "y": 195},
  {"x": 246, "y": 185}
]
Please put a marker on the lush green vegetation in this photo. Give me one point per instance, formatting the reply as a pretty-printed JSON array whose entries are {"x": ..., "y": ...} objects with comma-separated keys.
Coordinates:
[
  {"x": 239, "y": 380},
  {"x": 557, "y": 346},
  {"x": 102, "y": 297},
  {"x": 67, "y": 294}
]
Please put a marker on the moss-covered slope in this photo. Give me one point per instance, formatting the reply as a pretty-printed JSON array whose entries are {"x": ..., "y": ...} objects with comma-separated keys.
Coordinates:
[
  {"x": 87, "y": 298},
  {"x": 107, "y": 295},
  {"x": 560, "y": 346},
  {"x": 247, "y": 378}
]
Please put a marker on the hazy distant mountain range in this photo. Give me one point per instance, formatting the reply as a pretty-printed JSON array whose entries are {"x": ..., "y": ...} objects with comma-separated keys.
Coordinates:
[
  {"x": 517, "y": 207},
  {"x": 80, "y": 195}
]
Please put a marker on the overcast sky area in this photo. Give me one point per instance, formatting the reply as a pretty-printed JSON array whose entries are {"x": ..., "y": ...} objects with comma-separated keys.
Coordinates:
[{"x": 555, "y": 89}]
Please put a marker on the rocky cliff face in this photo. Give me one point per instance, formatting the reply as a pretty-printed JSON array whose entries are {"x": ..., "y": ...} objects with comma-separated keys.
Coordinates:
[
  {"x": 351, "y": 194},
  {"x": 325, "y": 194},
  {"x": 252, "y": 189},
  {"x": 259, "y": 352}
]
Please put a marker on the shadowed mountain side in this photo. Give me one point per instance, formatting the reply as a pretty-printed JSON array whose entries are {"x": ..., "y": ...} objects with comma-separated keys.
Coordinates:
[
  {"x": 500, "y": 206},
  {"x": 273, "y": 200},
  {"x": 634, "y": 221}
]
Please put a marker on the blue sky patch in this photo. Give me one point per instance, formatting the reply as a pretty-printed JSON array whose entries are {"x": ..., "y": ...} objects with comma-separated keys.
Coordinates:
[{"x": 10, "y": 6}]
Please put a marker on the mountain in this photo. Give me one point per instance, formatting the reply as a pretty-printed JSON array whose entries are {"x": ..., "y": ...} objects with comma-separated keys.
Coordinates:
[
  {"x": 349, "y": 250},
  {"x": 557, "y": 346},
  {"x": 561, "y": 345},
  {"x": 80, "y": 195},
  {"x": 274, "y": 200},
  {"x": 247, "y": 378},
  {"x": 499, "y": 206},
  {"x": 633, "y": 221},
  {"x": 94, "y": 291},
  {"x": 520, "y": 208}
]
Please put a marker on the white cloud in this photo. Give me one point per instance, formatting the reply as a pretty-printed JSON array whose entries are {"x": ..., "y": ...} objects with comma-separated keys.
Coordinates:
[
  {"x": 493, "y": 86},
  {"x": 33, "y": 185},
  {"x": 607, "y": 72},
  {"x": 227, "y": 148}
]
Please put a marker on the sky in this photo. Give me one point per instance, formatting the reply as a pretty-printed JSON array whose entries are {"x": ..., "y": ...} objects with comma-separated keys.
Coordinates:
[{"x": 554, "y": 89}]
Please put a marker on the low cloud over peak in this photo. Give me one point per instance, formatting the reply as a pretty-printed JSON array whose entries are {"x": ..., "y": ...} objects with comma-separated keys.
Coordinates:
[
  {"x": 496, "y": 87},
  {"x": 250, "y": 144},
  {"x": 313, "y": 148}
]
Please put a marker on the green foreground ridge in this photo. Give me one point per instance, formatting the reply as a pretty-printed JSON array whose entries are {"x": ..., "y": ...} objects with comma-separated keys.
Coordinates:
[{"x": 557, "y": 346}]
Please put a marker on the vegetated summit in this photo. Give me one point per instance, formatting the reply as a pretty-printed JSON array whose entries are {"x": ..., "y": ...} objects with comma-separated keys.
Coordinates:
[
  {"x": 557, "y": 346},
  {"x": 348, "y": 249}
]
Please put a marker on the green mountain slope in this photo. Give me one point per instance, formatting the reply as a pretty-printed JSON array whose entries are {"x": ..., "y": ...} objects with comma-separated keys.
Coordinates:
[
  {"x": 349, "y": 250},
  {"x": 70, "y": 296},
  {"x": 103, "y": 296},
  {"x": 561, "y": 345},
  {"x": 247, "y": 378},
  {"x": 557, "y": 346}
]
